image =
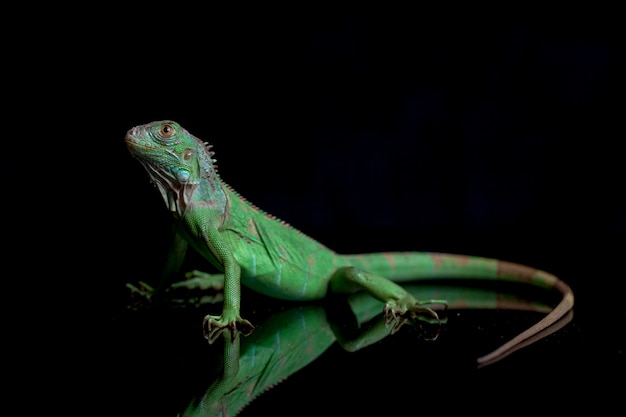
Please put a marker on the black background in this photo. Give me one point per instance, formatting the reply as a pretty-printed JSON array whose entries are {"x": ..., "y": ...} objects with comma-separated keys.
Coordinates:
[{"x": 483, "y": 132}]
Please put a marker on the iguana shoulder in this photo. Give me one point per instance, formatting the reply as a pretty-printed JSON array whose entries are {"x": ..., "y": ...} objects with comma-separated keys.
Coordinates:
[{"x": 277, "y": 259}]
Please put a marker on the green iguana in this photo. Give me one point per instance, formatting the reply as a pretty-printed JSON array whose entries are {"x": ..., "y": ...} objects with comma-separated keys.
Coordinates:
[{"x": 269, "y": 256}]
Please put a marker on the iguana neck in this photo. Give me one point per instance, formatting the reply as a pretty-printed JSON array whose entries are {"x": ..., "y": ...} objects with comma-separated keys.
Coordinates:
[
  {"x": 182, "y": 193},
  {"x": 207, "y": 194}
]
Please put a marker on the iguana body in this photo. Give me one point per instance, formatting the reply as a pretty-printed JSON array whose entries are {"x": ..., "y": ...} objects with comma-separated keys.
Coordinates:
[{"x": 271, "y": 257}]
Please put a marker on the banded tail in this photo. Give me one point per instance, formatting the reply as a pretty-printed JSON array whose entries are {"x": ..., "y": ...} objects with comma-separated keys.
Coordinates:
[{"x": 412, "y": 266}]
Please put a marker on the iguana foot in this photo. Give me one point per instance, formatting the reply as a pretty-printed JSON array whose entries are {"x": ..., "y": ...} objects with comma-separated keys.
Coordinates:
[
  {"x": 213, "y": 326},
  {"x": 144, "y": 290},
  {"x": 201, "y": 281},
  {"x": 200, "y": 288},
  {"x": 141, "y": 295},
  {"x": 399, "y": 312}
]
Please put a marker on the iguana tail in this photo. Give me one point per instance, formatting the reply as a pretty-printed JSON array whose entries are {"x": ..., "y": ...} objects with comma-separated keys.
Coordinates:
[{"x": 412, "y": 266}]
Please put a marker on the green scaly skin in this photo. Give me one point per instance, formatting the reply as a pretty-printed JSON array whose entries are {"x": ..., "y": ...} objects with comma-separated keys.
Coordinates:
[{"x": 255, "y": 249}]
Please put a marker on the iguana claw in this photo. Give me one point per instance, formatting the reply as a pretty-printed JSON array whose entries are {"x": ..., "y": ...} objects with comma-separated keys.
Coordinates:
[
  {"x": 398, "y": 313},
  {"x": 144, "y": 290},
  {"x": 141, "y": 296},
  {"x": 213, "y": 326}
]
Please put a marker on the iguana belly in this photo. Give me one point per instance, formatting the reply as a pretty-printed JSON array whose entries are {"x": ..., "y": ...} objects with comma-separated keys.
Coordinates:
[{"x": 286, "y": 278}]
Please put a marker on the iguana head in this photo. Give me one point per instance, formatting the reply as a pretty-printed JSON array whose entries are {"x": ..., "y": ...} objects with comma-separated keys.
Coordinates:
[{"x": 178, "y": 163}]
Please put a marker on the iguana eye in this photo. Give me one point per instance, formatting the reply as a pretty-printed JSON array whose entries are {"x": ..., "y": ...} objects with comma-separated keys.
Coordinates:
[{"x": 167, "y": 131}]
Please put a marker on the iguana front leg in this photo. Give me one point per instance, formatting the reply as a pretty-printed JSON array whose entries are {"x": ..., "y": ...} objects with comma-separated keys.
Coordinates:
[
  {"x": 400, "y": 306},
  {"x": 173, "y": 262},
  {"x": 230, "y": 318}
]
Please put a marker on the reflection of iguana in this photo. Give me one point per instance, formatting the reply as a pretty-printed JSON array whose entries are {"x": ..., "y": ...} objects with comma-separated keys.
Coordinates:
[
  {"x": 292, "y": 339},
  {"x": 271, "y": 257}
]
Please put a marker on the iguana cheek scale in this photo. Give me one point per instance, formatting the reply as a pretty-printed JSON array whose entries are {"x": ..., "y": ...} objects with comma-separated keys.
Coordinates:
[{"x": 269, "y": 256}]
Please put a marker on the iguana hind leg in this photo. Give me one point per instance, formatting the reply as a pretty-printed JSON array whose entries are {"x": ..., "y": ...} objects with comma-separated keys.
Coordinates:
[{"x": 400, "y": 306}]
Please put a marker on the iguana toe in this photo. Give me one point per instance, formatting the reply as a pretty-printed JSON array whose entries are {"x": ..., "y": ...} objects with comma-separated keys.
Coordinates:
[
  {"x": 398, "y": 312},
  {"x": 213, "y": 326}
]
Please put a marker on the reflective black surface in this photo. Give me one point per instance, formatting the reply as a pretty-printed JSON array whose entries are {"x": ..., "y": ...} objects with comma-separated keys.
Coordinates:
[
  {"x": 160, "y": 353},
  {"x": 478, "y": 133}
]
